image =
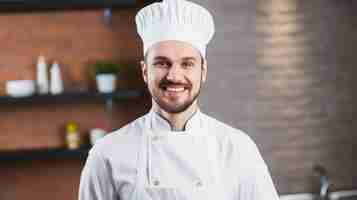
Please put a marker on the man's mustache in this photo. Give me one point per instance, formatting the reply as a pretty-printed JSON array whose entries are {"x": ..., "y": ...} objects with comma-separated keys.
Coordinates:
[{"x": 166, "y": 83}]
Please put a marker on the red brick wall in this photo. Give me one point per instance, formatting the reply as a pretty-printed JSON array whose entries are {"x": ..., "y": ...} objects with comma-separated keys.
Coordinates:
[{"x": 73, "y": 38}]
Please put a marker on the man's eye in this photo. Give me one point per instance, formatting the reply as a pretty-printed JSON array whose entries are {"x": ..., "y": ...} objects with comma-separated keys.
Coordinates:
[
  {"x": 161, "y": 64},
  {"x": 188, "y": 64}
]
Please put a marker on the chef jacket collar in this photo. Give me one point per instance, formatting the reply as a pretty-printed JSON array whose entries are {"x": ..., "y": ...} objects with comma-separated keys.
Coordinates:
[{"x": 158, "y": 123}]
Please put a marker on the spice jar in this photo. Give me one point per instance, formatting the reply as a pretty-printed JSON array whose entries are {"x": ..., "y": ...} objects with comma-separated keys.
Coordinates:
[{"x": 72, "y": 136}]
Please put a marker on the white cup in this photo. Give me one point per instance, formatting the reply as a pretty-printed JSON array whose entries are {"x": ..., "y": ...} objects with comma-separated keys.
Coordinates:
[
  {"x": 96, "y": 134},
  {"x": 106, "y": 83}
]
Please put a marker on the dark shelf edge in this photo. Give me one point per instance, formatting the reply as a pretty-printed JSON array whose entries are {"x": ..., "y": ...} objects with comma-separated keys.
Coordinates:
[
  {"x": 71, "y": 96},
  {"x": 43, "y": 154},
  {"x": 35, "y": 5}
]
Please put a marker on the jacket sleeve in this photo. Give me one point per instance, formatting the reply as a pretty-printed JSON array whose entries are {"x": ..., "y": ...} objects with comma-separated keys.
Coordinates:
[
  {"x": 263, "y": 186},
  {"x": 96, "y": 182},
  {"x": 256, "y": 183}
]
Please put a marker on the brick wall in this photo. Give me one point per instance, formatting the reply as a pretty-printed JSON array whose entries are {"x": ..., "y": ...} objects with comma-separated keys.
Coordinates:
[{"x": 306, "y": 91}]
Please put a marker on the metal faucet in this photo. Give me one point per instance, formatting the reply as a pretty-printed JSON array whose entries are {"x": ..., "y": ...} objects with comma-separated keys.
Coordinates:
[{"x": 324, "y": 182}]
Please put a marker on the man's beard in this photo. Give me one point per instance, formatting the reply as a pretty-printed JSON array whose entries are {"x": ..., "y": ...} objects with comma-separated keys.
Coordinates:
[{"x": 174, "y": 109}]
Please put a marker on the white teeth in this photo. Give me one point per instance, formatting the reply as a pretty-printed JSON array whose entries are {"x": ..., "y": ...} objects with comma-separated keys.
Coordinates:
[{"x": 175, "y": 89}]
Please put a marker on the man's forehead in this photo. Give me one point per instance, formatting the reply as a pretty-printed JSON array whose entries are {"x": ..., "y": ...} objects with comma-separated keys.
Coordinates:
[{"x": 173, "y": 50}]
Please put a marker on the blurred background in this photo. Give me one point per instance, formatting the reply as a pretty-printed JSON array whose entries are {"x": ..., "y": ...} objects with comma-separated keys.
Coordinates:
[{"x": 280, "y": 70}]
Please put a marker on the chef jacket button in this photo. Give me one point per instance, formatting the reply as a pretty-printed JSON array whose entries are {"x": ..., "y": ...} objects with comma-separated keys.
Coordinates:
[
  {"x": 199, "y": 183},
  {"x": 156, "y": 182},
  {"x": 155, "y": 138}
]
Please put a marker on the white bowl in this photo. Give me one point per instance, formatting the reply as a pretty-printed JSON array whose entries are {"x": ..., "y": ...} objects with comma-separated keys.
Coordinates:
[{"x": 20, "y": 88}]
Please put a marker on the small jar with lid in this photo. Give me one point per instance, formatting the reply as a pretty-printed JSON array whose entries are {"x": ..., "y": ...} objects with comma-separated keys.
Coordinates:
[{"x": 72, "y": 136}]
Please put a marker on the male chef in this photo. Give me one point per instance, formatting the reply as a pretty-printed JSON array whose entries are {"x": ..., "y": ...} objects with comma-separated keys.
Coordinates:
[{"x": 175, "y": 152}]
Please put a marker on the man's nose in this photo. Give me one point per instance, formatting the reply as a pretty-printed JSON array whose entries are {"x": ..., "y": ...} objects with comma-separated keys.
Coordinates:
[{"x": 175, "y": 73}]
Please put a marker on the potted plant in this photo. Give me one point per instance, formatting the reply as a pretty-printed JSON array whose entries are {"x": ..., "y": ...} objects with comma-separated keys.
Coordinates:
[{"x": 106, "y": 75}]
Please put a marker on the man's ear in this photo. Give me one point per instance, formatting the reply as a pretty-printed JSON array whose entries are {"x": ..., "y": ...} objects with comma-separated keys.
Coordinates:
[
  {"x": 204, "y": 70},
  {"x": 144, "y": 71}
]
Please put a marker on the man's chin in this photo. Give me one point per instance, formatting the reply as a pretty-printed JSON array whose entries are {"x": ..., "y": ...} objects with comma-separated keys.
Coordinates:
[{"x": 174, "y": 108}]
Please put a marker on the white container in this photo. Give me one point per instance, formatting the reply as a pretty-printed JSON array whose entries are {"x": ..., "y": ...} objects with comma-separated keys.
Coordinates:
[
  {"x": 56, "y": 86},
  {"x": 42, "y": 76},
  {"x": 106, "y": 83},
  {"x": 20, "y": 88},
  {"x": 96, "y": 134}
]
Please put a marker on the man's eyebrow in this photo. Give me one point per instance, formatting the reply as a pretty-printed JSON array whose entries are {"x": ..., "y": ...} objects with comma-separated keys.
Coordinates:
[
  {"x": 166, "y": 58},
  {"x": 161, "y": 58},
  {"x": 189, "y": 58}
]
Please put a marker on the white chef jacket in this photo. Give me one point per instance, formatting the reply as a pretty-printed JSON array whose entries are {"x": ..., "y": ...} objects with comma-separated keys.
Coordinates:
[{"x": 145, "y": 160}]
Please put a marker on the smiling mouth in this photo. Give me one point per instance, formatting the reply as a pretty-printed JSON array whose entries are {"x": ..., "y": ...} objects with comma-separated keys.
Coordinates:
[
  {"x": 170, "y": 89},
  {"x": 174, "y": 88}
]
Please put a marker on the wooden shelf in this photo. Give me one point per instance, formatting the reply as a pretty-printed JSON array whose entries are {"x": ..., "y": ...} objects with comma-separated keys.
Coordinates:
[
  {"x": 66, "y": 97},
  {"x": 64, "y": 4},
  {"x": 43, "y": 154},
  {"x": 73, "y": 96}
]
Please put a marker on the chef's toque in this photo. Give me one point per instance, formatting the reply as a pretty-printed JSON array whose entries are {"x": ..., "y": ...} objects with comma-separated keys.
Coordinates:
[{"x": 179, "y": 20}]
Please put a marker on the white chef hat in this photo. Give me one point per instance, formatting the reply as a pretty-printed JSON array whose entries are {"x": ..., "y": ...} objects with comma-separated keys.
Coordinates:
[{"x": 179, "y": 20}]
